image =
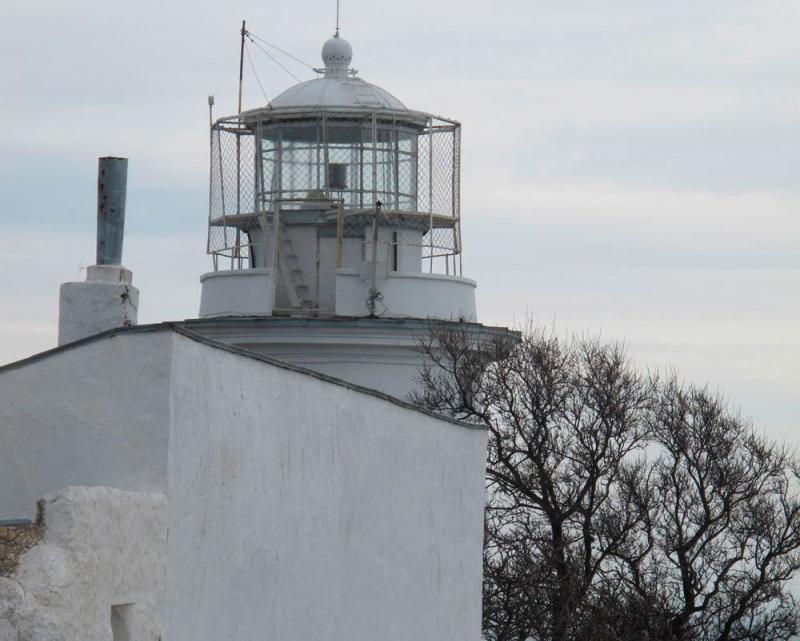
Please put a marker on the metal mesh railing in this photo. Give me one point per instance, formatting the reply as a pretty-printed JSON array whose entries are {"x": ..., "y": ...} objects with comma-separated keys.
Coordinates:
[
  {"x": 269, "y": 163},
  {"x": 233, "y": 213}
]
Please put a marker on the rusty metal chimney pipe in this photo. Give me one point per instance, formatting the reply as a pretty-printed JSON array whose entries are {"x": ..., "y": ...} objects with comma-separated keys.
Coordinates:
[{"x": 112, "y": 181}]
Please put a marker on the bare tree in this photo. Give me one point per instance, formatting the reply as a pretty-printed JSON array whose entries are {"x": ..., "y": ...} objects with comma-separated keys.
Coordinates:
[
  {"x": 618, "y": 507},
  {"x": 721, "y": 538},
  {"x": 566, "y": 424}
]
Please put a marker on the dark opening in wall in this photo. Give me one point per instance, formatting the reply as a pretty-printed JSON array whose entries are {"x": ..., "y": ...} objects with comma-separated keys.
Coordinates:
[{"x": 121, "y": 622}]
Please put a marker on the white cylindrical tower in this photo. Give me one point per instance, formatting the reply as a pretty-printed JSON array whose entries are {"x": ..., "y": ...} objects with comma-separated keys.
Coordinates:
[{"x": 335, "y": 203}]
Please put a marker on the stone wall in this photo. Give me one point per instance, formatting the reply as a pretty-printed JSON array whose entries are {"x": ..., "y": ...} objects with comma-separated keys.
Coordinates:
[
  {"x": 17, "y": 538},
  {"x": 92, "y": 568}
]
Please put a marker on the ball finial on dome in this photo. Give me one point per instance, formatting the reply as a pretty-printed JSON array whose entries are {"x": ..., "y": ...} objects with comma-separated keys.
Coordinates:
[{"x": 337, "y": 55}]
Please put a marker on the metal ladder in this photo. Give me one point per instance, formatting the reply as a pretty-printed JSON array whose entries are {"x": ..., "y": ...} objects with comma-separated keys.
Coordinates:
[{"x": 291, "y": 275}]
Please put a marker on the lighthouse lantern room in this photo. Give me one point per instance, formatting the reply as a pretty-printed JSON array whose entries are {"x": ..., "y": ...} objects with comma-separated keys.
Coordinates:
[{"x": 335, "y": 199}]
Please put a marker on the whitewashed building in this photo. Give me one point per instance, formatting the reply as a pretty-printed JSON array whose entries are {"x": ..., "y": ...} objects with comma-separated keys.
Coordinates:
[{"x": 255, "y": 473}]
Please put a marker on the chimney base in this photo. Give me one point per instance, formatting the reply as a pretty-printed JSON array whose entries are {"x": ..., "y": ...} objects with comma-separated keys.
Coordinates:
[{"x": 105, "y": 301}]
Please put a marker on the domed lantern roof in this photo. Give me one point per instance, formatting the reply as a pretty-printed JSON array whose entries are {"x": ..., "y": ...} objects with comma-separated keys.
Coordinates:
[
  {"x": 339, "y": 86},
  {"x": 340, "y": 160}
]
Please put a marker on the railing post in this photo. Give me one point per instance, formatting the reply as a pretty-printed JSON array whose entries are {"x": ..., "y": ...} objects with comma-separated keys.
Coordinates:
[{"x": 339, "y": 233}]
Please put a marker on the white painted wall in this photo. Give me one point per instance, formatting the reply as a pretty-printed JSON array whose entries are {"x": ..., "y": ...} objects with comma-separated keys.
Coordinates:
[
  {"x": 298, "y": 508},
  {"x": 305, "y": 510},
  {"x": 92, "y": 415},
  {"x": 391, "y": 368},
  {"x": 239, "y": 292},
  {"x": 409, "y": 250},
  {"x": 409, "y": 255},
  {"x": 313, "y": 254},
  {"x": 105, "y": 301},
  {"x": 378, "y": 353},
  {"x": 408, "y": 295},
  {"x": 101, "y": 548}
]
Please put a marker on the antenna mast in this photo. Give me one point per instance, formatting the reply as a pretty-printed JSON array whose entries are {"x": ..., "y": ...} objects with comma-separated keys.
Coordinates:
[
  {"x": 237, "y": 251},
  {"x": 337, "y": 18},
  {"x": 241, "y": 66}
]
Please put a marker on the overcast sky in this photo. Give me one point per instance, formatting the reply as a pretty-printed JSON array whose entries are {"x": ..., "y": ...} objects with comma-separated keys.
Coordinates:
[{"x": 630, "y": 167}]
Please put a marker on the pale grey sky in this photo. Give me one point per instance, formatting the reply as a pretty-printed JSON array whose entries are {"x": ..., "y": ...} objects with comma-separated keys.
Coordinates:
[{"x": 630, "y": 167}]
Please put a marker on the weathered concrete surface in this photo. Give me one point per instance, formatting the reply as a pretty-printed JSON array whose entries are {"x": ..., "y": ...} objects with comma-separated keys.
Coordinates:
[
  {"x": 101, "y": 548},
  {"x": 99, "y": 304}
]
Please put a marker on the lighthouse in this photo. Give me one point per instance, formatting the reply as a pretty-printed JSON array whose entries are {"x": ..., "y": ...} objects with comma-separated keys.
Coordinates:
[
  {"x": 256, "y": 473},
  {"x": 334, "y": 228}
]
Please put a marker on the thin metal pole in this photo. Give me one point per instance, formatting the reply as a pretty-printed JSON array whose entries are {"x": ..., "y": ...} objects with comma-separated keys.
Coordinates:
[
  {"x": 319, "y": 154},
  {"x": 360, "y": 188},
  {"x": 339, "y": 233},
  {"x": 326, "y": 155},
  {"x": 453, "y": 174},
  {"x": 241, "y": 67},
  {"x": 396, "y": 140},
  {"x": 373, "y": 292},
  {"x": 237, "y": 253},
  {"x": 222, "y": 188},
  {"x": 259, "y": 203},
  {"x": 210, "y": 168},
  {"x": 457, "y": 173},
  {"x": 430, "y": 190},
  {"x": 453, "y": 178},
  {"x": 374, "y": 159},
  {"x": 276, "y": 227},
  {"x": 276, "y": 216}
]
